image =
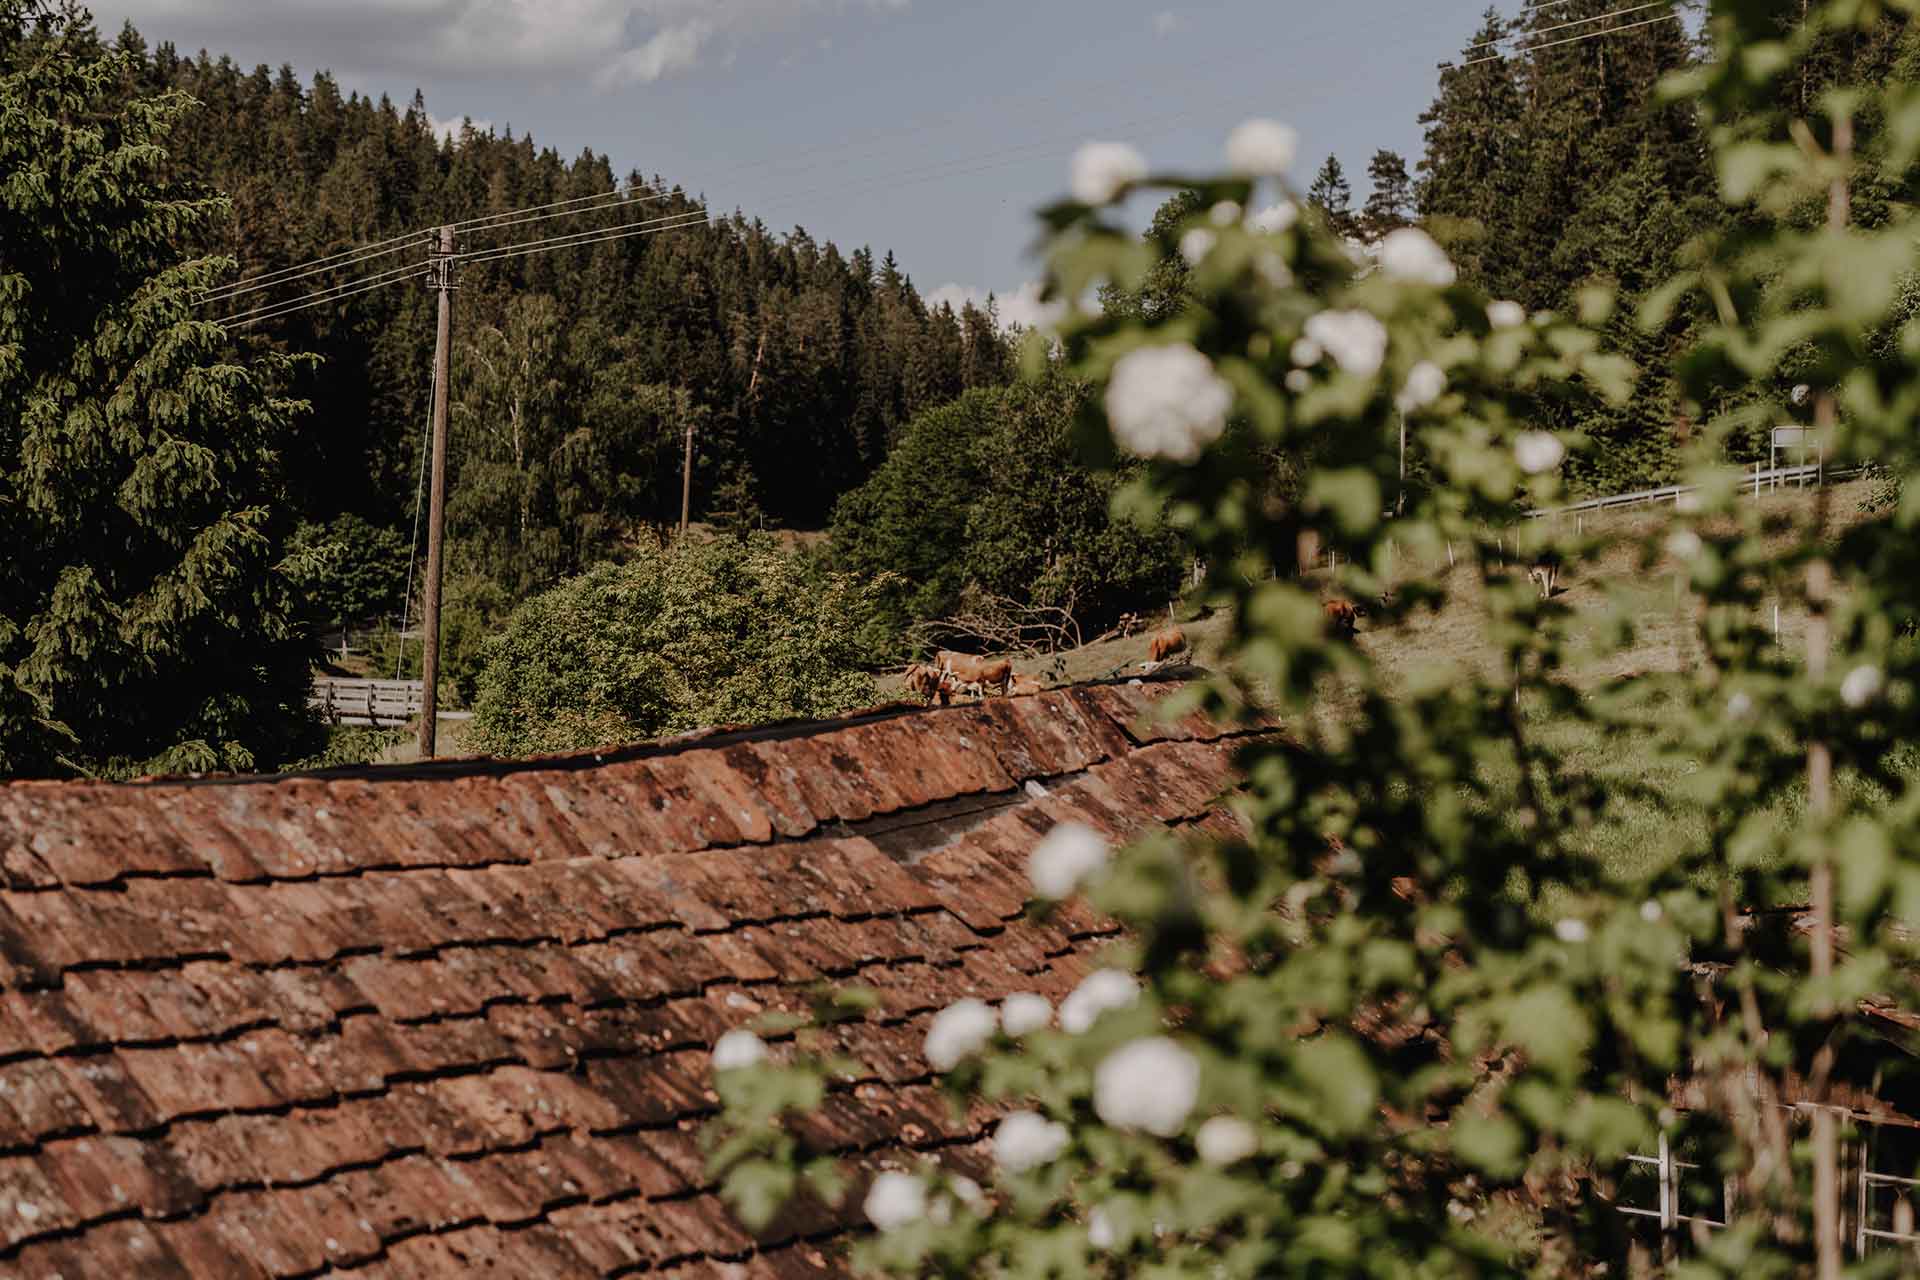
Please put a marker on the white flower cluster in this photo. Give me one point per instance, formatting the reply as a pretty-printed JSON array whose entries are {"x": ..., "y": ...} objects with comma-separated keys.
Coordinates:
[
  {"x": 1262, "y": 148},
  {"x": 1275, "y": 217},
  {"x": 1684, "y": 544},
  {"x": 1023, "y": 1013},
  {"x": 1101, "y": 170},
  {"x": 960, "y": 1029},
  {"x": 1356, "y": 339},
  {"x": 1224, "y": 214},
  {"x": 1506, "y": 314},
  {"x": 1148, "y": 1084},
  {"x": 1167, "y": 402},
  {"x": 1538, "y": 451},
  {"x": 1410, "y": 254},
  {"x": 1196, "y": 243},
  {"x": 1225, "y": 1140},
  {"x": 1098, "y": 992},
  {"x": 738, "y": 1048},
  {"x": 895, "y": 1200},
  {"x": 1070, "y": 854},
  {"x": 1861, "y": 686},
  {"x": 1572, "y": 931},
  {"x": 1425, "y": 383},
  {"x": 1025, "y": 1140}
]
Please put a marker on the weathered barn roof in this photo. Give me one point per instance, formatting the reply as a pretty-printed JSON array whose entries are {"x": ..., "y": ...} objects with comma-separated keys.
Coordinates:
[{"x": 456, "y": 1018}]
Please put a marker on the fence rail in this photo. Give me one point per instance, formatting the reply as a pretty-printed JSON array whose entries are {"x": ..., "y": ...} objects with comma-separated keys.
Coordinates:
[
  {"x": 1771, "y": 478},
  {"x": 380, "y": 703}
]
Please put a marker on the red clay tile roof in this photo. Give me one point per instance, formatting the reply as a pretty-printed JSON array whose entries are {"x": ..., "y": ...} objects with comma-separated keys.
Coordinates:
[{"x": 455, "y": 1019}]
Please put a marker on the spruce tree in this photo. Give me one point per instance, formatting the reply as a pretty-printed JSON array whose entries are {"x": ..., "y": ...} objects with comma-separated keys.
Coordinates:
[
  {"x": 1390, "y": 204},
  {"x": 145, "y": 620},
  {"x": 1333, "y": 196},
  {"x": 1475, "y": 154}
]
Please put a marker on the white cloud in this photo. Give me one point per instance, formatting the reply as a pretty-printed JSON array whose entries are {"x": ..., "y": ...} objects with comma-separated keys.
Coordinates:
[
  {"x": 1020, "y": 309},
  {"x": 609, "y": 42},
  {"x": 450, "y": 129},
  {"x": 1166, "y": 22}
]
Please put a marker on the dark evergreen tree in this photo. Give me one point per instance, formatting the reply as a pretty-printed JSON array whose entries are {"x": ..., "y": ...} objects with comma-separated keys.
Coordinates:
[
  {"x": 145, "y": 621},
  {"x": 1390, "y": 203},
  {"x": 1332, "y": 195},
  {"x": 1476, "y": 149}
]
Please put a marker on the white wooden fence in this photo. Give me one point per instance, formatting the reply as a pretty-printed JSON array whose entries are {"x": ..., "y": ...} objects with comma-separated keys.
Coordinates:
[{"x": 1757, "y": 481}]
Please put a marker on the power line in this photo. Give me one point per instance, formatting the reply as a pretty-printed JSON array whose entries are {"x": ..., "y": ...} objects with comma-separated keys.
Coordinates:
[
  {"x": 581, "y": 239},
  {"x": 1535, "y": 48},
  {"x": 623, "y": 188},
  {"x": 1562, "y": 26},
  {"x": 344, "y": 258},
  {"x": 570, "y": 213},
  {"x": 228, "y": 293},
  {"x": 337, "y": 293}
]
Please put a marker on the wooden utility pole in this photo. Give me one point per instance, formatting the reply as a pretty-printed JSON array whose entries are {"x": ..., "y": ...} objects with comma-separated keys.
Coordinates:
[
  {"x": 442, "y": 278},
  {"x": 1826, "y": 1137},
  {"x": 686, "y": 480}
]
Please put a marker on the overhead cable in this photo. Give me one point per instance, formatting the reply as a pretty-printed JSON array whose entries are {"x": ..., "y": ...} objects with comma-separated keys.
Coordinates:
[
  {"x": 1562, "y": 26},
  {"x": 318, "y": 299},
  {"x": 582, "y": 239},
  {"x": 300, "y": 270},
  {"x": 1591, "y": 35}
]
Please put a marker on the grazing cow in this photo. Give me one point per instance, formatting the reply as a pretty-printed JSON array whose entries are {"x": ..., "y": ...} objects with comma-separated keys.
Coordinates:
[
  {"x": 923, "y": 680},
  {"x": 1023, "y": 684},
  {"x": 1342, "y": 618},
  {"x": 986, "y": 673},
  {"x": 1545, "y": 572},
  {"x": 1165, "y": 644}
]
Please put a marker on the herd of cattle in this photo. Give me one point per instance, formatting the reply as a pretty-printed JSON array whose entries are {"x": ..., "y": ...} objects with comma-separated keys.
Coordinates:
[{"x": 954, "y": 675}]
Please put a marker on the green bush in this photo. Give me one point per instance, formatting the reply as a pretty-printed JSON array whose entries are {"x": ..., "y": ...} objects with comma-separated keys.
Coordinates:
[
  {"x": 734, "y": 631},
  {"x": 989, "y": 494}
]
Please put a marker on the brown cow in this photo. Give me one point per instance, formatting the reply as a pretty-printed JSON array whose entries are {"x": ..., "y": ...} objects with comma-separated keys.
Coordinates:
[
  {"x": 987, "y": 673},
  {"x": 1165, "y": 644},
  {"x": 923, "y": 680},
  {"x": 1342, "y": 618},
  {"x": 1024, "y": 684}
]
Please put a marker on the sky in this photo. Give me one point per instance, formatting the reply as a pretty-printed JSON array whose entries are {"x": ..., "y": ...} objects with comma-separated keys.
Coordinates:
[{"x": 933, "y": 128}]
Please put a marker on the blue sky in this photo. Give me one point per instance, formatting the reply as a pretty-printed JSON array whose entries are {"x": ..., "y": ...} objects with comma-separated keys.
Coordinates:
[{"x": 930, "y": 127}]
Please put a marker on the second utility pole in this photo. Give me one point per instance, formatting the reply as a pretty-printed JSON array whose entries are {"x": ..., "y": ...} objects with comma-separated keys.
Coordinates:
[
  {"x": 686, "y": 481},
  {"x": 441, "y": 276}
]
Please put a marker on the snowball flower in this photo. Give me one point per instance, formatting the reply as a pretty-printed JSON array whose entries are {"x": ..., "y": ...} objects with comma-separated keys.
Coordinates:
[
  {"x": 1148, "y": 1084},
  {"x": 1026, "y": 1141},
  {"x": 1425, "y": 382},
  {"x": 1356, "y": 339},
  {"x": 1738, "y": 706},
  {"x": 1167, "y": 402},
  {"x": 958, "y": 1030},
  {"x": 1572, "y": 931},
  {"x": 1061, "y": 863},
  {"x": 1861, "y": 686},
  {"x": 1275, "y": 217},
  {"x": 967, "y": 1192},
  {"x": 1101, "y": 169},
  {"x": 1273, "y": 269},
  {"x": 1023, "y": 1012},
  {"x": 1538, "y": 451},
  {"x": 738, "y": 1048},
  {"x": 1225, "y": 1140},
  {"x": 1100, "y": 1232},
  {"x": 1305, "y": 352},
  {"x": 1506, "y": 314},
  {"x": 1650, "y": 911},
  {"x": 1263, "y": 148},
  {"x": 1410, "y": 254},
  {"x": 896, "y": 1200},
  {"x": 1225, "y": 213},
  {"x": 1297, "y": 381},
  {"x": 1683, "y": 544},
  {"x": 1099, "y": 991},
  {"x": 1195, "y": 244}
]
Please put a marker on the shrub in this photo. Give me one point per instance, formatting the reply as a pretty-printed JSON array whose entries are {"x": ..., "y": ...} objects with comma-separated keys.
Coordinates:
[{"x": 723, "y": 632}]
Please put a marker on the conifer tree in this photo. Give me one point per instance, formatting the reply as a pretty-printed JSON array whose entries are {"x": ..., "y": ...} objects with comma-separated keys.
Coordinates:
[
  {"x": 1390, "y": 203},
  {"x": 144, "y": 618},
  {"x": 1332, "y": 195}
]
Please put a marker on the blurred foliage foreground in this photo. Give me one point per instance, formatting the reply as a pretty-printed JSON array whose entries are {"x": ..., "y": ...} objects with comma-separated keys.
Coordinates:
[{"x": 1356, "y": 1043}]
